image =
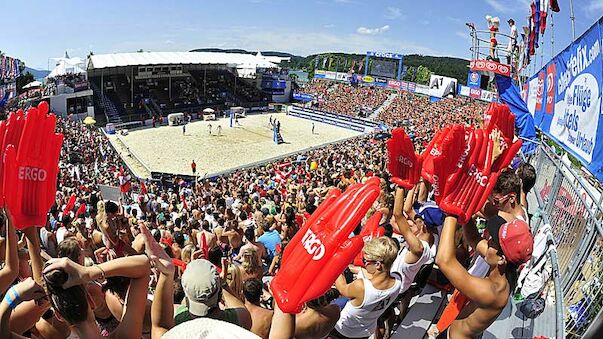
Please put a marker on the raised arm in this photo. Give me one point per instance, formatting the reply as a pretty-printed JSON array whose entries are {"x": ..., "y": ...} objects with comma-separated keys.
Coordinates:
[
  {"x": 408, "y": 202},
  {"x": 34, "y": 248},
  {"x": 414, "y": 244},
  {"x": 283, "y": 324},
  {"x": 479, "y": 290},
  {"x": 472, "y": 237},
  {"x": 10, "y": 271},
  {"x": 353, "y": 290},
  {"x": 162, "y": 308}
]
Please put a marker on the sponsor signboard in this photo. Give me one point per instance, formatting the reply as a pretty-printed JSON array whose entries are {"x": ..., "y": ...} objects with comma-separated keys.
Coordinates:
[
  {"x": 565, "y": 98},
  {"x": 441, "y": 86},
  {"x": 393, "y": 84},
  {"x": 384, "y": 55},
  {"x": 490, "y": 66},
  {"x": 474, "y": 79},
  {"x": 331, "y": 75}
]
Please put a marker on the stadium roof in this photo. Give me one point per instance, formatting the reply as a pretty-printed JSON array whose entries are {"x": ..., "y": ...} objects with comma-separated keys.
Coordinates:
[{"x": 177, "y": 58}]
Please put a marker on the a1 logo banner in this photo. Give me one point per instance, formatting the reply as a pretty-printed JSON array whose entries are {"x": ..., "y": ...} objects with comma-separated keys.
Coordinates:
[{"x": 31, "y": 170}]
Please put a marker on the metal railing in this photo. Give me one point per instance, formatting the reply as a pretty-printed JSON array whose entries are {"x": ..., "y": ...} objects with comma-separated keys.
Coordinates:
[{"x": 573, "y": 209}]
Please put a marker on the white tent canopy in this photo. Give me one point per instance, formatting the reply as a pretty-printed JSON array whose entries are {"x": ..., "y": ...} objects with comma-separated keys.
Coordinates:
[
  {"x": 67, "y": 65},
  {"x": 100, "y": 61},
  {"x": 33, "y": 84},
  {"x": 208, "y": 110}
]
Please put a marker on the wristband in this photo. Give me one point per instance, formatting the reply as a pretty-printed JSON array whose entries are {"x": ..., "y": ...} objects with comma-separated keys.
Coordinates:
[{"x": 12, "y": 298}]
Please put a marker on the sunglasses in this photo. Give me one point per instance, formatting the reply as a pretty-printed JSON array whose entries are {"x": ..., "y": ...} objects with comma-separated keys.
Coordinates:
[
  {"x": 499, "y": 200},
  {"x": 366, "y": 262}
]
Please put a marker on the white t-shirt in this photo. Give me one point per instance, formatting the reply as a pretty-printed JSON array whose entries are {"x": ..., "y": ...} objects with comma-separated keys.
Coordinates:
[
  {"x": 407, "y": 272},
  {"x": 61, "y": 234},
  {"x": 361, "y": 321}
]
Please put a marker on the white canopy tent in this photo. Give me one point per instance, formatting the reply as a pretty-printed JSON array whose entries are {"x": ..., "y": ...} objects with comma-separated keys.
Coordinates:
[
  {"x": 67, "y": 65},
  {"x": 33, "y": 84}
]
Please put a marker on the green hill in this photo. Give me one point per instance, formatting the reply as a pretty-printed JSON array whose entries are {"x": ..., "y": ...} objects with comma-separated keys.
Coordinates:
[{"x": 344, "y": 62}]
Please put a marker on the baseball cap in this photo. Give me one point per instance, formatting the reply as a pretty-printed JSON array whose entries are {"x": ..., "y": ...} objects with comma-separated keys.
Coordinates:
[
  {"x": 201, "y": 286},
  {"x": 514, "y": 238},
  {"x": 431, "y": 215},
  {"x": 208, "y": 328}
]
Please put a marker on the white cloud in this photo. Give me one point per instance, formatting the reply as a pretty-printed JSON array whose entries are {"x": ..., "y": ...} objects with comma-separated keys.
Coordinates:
[
  {"x": 594, "y": 5},
  {"x": 343, "y": 1},
  {"x": 327, "y": 26},
  {"x": 497, "y": 5},
  {"x": 507, "y": 6},
  {"x": 372, "y": 31},
  {"x": 168, "y": 42},
  {"x": 392, "y": 13},
  {"x": 303, "y": 43}
]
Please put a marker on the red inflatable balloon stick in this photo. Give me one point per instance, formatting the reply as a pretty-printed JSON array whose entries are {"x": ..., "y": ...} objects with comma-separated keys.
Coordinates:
[
  {"x": 504, "y": 121},
  {"x": 444, "y": 157},
  {"x": 370, "y": 231},
  {"x": 31, "y": 170},
  {"x": 81, "y": 211},
  {"x": 10, "y": 134},
  {"x": 70, "y": 205},
  {"x": 404, "y": 164},
  {"x": 322, "y": 248}
]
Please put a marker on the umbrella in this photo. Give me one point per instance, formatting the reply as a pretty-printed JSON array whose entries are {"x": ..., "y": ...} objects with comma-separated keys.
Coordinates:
[
  {"x": 208, "y": 110},
  {"x": 89, "y": 121}
]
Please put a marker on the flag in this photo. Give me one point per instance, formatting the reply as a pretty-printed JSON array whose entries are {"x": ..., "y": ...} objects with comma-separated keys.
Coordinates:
[
  {"x": 544, "y": 8},
  {"x": 143, "y": 188},
  {"x": 184, "y": 205},
  {"x": 555, "y": 6},
  {"x": 316, "y": 61},
  {"x": 537, "y": 24},
  {"x": 81, "y": 211},
  {"x": 124, "y": 181}
]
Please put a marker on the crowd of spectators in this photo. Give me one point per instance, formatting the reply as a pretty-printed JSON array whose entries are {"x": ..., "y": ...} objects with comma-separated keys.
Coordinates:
[
  {"x": 175, "y": 256},
  {"x": 422, "y": 118},
  {"x": 345, "y": 99}
]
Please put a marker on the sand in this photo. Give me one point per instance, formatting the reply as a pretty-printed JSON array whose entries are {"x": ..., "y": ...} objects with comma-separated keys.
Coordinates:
[{"x": 166, "y": 149}]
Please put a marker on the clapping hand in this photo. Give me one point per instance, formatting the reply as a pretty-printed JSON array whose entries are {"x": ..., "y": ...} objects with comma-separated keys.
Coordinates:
[{"x": 162, "y": 262}]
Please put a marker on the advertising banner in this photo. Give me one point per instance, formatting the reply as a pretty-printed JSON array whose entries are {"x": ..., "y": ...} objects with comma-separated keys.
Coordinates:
[
  {"x": 331, "y": 75},
  {"x": 441, "y": 86},
  {"x": 567, "y": 95},
  {"x": 404, "y": 86},
  {"x": 412, "y": 87},
  {"x": 302, "y": 96},
  {"x": 320, "y": 74},
  {"x": 395, "y": 84},
  {"x": 474, "y": 79},
  {"x": 422, "y": 89},
  {"x": 477, "y": 93},
  {"x": 490, "y": 66}
]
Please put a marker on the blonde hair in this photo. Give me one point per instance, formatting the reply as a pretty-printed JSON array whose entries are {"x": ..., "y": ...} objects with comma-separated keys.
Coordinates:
[
  {"x": 235, "y": 281},
  {"x": 187, "y": 253},
  {"x": 381, "y": 249},
  {"x": 250, "y": 262}
]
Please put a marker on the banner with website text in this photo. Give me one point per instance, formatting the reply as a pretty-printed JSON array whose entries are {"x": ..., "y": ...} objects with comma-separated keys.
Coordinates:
[{"x": 565, "y": 99}]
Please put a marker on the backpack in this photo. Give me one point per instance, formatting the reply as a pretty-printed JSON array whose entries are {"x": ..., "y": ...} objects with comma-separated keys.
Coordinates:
[{"x": 534, "y": 278}]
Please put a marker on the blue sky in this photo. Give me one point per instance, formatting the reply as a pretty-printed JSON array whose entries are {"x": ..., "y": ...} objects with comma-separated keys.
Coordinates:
[{"x": 38, "y": 30}]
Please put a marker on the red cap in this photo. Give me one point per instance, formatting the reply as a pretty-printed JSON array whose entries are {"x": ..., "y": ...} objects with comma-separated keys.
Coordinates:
[{"x": 516, "y": 241}]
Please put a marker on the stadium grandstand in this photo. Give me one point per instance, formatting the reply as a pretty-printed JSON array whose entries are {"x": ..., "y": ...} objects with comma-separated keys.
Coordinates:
[{"x": 131, "y": 86}]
